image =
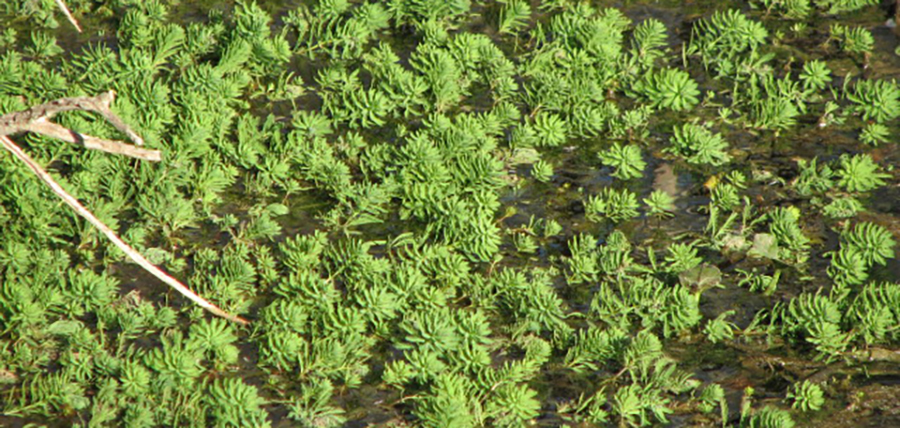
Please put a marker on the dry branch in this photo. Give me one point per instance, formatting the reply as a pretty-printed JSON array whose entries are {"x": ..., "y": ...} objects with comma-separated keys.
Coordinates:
[
  {"x": 65, "y": 11},
  {"x": 36, "y": 119}
]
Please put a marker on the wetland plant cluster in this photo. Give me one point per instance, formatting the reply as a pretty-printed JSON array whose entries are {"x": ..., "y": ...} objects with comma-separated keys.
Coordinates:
[{"x": 444, "y": 274}]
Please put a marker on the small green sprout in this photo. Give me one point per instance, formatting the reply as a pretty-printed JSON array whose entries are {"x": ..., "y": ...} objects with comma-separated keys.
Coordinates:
[
  {"x": 806, "y": 396},
  {"x": 842, "y": 208},
  {"x": 549, "y": 129},
  {"x": 615, "y": 205},
  {"x": 719, "y": 329},
  {"x": 236, "y": 404},
  {"x": 660, "y": 204},
  {"x": 542, "y": 171},
  {"x": 874, "y": 134}
]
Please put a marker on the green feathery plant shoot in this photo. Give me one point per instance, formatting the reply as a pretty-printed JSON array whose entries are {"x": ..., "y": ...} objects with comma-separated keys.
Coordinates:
[{"x": 450, "y": 213}]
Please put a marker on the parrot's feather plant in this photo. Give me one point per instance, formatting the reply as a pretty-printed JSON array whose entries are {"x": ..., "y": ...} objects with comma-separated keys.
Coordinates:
[{"x": 451, "y": 213}]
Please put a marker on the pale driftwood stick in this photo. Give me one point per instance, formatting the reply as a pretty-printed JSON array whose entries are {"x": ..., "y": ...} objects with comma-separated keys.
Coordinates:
[
  {"x": 12, "y": 123},
  {"x": 130, "y": 252},
  {"x": 45, "y": 127},
  {"x": 65, "y": 11},
  {"x": 37, "y": 119}
]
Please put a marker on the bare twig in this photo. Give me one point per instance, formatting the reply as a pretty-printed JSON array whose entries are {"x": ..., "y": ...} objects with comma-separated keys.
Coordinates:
[
  {"x": 36, "y": 119},
  {"x": 12, "y": 123},
  {"x": 65, "y": 11},
  {"x": 56, "y": 131},
  {"x": 130, "y": 252}
]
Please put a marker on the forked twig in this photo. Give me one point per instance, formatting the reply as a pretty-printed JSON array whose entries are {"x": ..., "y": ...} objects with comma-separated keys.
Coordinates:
[{"x": 36, "y": 119}]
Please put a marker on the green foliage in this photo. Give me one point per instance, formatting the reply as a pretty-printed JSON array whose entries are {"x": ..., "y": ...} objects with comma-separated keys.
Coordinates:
[
  {"x": 807, "y": 396},
  {"x": 877, "y": 100},
  {"x": 817, "y": 318},
  {"x": 843, "y": 6},
  {"x": 785, "y": 227},
  {"x": 660, "y": 204},
  {"x": 874, "y": 243},
  {"x": 768, "y": 417},
  {"x": 723, "y": 38},
  {"x": 366, "y": 211},
  {"x": 549, "y": 130},
  {"x": 718, "y": 329},
  {"x": 698, "y": 145},
  {"x": 627, "y": 161},
  {"x": 313, "y": 407},
  {"x": 856, "y": 40},
  {"x": 236, "y": 404},
  {"x": 669, "y": 88},
  {"x": 512, "y": 405},
  {"x": 815, "y": 75},
  {"x": 514, "y": 16},
  {"x": 711, "y": 396},
  {"x": 813, "y": 179},
  {"x": 790, "y": 9},
  {"x": 874, "y": 134},
  {"x": 647, "y": 40},
  {"x": 848, "y": 267},
  {"x": 859, "y": 173},
  {"x": 542, "y": 171},
  {"x": 682, "y": 257},
  {"x": 448, "y": 403},
  {"x": 843, "y": 208},
  {"x": 611, "y": 204}
]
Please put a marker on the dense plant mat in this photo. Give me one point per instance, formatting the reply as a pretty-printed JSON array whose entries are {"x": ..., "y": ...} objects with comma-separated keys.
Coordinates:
[{"x": 456, "y": 213}]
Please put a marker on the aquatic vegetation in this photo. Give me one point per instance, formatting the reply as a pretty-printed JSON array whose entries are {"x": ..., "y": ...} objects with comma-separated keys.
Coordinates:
[
  {"x": 615, "y": 205},
  {"x": 626, "y": 160},
  {"x": 854, "y": 40},
  {"x": 660, "y": 204},
  {"x": 723, "y": 38},
  {"x": 859, "y": 173},
  {"x": 542, "y": 171},
  {"x": 807, "y": 396},
  {"x": 874, "y": 134},
  {"x": 669, "y": 89},
  {"x": 874, "y": 243},
  {"x": 877, "y": 100},
  {"x": 453, "y": 214},
  {"x": 841, "y": 6},
  {"x": 698, "y": 145}
]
